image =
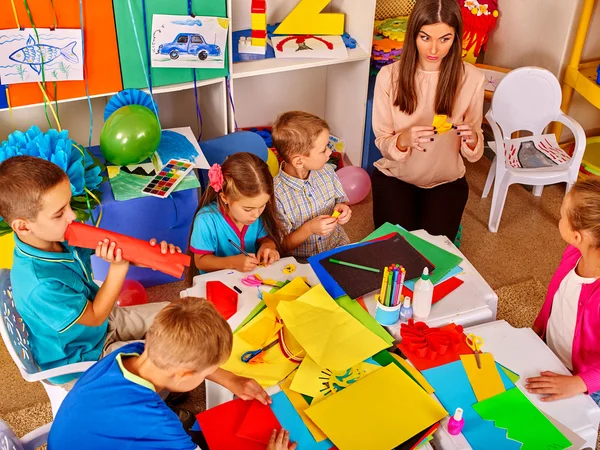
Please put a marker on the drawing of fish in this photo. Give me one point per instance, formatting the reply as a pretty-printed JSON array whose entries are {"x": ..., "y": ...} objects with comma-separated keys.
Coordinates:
[{"x": 33, "y": 53}]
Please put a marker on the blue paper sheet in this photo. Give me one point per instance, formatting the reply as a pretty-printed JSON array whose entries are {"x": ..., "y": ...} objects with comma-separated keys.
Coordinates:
[
  {"x": 291, "y": 421},
  {"x": 453, "y": 390},
  {"x": 410, "y": 284},
  {"x": 3, "y": 99}
]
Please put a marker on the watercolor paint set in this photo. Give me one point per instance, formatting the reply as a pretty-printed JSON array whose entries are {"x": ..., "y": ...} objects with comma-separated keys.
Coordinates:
[{"x": 165, "y": 181}]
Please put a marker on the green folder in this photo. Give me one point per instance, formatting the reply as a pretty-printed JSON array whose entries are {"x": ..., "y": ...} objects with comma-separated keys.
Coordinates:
[
  {"x": 443, "y": 260},
  {"x": 132, "y": 67}
]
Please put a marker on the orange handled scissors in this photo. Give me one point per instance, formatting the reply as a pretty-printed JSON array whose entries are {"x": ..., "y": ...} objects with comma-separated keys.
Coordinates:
[{"x": 475, "y": 342}]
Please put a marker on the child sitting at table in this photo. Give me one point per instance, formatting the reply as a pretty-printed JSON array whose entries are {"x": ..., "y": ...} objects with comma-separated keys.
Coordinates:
[
  {"x": 115, "y": 404},
  {"x": 570, "y": 317},
  {"x": 235, "y": 226}
]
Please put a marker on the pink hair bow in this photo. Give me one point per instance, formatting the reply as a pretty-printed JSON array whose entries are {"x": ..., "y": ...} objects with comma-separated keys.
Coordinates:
[{"x": 215, "y": 177}]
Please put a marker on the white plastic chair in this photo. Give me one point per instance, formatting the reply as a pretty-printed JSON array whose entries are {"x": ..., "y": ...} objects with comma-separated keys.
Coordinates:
[
  {"x": 15, "y": 337},
  {"x": 527, "y": 99},
  {"x": 31, "y": 441}
]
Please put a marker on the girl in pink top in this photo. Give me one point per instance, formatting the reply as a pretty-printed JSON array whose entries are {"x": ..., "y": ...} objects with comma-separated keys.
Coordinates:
[
  {"x": 570, "y": 317},
  {"x": 419, "y": 182}
]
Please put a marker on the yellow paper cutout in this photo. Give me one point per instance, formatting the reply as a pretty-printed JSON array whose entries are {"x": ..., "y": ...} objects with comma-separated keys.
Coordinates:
[
  {"x": 329, "y": 335},
  {"x": 113, "y": 171},
  {"x": 260, "y": 332},
  {"x": 359, "y": 417},
  {"x": 276, "y": 366},
  {"x": 319, "y": 383},
  {"x": 306, "y": 18},
  {"x": 486, "y": 382},
  {"x": 414, "y": 373},
  {"x": 441, "y": 124},
  {"x": 300, "y": 405},
  {"x": 290, "y": 292},
  {"x": 7, "y": 248}
]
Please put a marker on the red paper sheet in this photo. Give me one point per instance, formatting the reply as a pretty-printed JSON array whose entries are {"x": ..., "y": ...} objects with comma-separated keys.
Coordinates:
[
  {"x": 220, "y": 424},
  {"x": 428, "y": 347},
  {"x": 133, "y": 250},
  {"x": 439, "y": 290},
  {"x": 259, "y": 423}
]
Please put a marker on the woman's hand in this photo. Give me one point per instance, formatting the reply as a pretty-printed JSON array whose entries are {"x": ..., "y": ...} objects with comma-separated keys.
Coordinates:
[
  {"x": 414, "y": 137},
  {"x": 467, "y": 134}
]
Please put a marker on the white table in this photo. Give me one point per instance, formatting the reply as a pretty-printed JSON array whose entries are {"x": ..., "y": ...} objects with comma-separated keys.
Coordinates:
[
  {"x": 472, "y": 303},
  {"x": 522, "y": 351}
]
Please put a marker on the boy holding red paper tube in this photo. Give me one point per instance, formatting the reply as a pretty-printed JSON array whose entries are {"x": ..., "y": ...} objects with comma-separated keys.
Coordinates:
[{"x": 69, "y": 318}]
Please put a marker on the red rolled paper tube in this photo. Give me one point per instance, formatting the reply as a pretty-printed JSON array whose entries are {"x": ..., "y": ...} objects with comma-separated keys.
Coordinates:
[{"x": 133, "y": 250}]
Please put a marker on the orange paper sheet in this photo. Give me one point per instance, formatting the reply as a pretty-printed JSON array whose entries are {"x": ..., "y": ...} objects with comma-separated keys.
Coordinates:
[
  {"x": 102, "y": 66},
  {"x": 486, "y": 382}
]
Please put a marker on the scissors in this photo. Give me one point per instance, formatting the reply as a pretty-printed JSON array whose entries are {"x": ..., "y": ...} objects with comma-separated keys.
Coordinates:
[
  {"x": 475, "y": 342},
  {"x": 256, "y": 280},
  {"x": 250, "y": 355}
]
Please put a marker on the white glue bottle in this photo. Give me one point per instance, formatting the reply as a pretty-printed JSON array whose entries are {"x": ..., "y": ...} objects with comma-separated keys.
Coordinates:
[{"x": 422, "y": 296}]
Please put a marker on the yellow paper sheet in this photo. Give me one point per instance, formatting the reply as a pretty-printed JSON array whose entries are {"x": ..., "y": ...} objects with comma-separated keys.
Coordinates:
[
  {"x": 319, "y": 383},
  {"x": 290, "y": 292},
  {"x": 260, "y": 332},
  {"x": 415, "y": 373},
  {"x": 300, "y": 405},
  {"x": 363, "y": 415},
  {"x": 486, "y": 382},
  {"x": 276, "y": 366},
  {"x": 330, "y": 335}
]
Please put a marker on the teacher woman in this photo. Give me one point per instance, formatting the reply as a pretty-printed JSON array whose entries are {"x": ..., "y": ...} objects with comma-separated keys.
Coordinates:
[{"x": 420, "y": 181}]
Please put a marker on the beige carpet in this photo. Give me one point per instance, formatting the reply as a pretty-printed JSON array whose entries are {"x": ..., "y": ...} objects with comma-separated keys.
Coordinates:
[{"x": 517, "y": 262}]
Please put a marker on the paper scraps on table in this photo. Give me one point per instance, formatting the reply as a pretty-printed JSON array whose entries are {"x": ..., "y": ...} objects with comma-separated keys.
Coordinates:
[
  {"x": 319, "y": 383},
  {"x": 485, "y": 381},
  {"x": 290, "y": 292},
  {"x": 513, "y": 411},
  {"x": 353, "y": 418},
  {"x": 258, "y": 423},
  {"x": 301, "y": 405},
  {"x": 427, "y": 347},
  {"x": 292, "y": 422},
  {"x": 275, "y": 367},
  {"x": 453, "y": 389},
  {"x": 330, "y": 336}
]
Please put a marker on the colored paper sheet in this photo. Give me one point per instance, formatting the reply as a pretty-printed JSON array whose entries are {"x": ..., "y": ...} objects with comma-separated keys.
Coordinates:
[
  {"x": 275, "y": 367},
  {"x": 450, "y": 354},
  {"x": 414, "y": 373},
  {"x": 419, "y": 439},
  {"x": 330, "y": 335},
  {"x": 453, "y": 390},
  {"x": 514, "y": 412},
  {"x": 301, "y": 405},
  {"x": 440, "y": 290},
  {"x": 443, "y": 260},
  {"x": 410, "y": 284},
  {"x": 363, "y": 316},
  {"x": 354, "y": 419},
  {"x": 576, "y": 441},
  {"x": 220, "y": 424},
  {"x": 385, "y": 358},
  {"x": 514, "y": 377},
  {"x": 101, "y": 56},
  {"x": 291, "y": 421},
  {"x": 260, "y": 332},
  {"x": 290, "y": 292},
  {"x": 257, "y": 309},
  {"x": 320, "y": 383},
  {"x": 127, "y": 186},
  {"x": 486, "y": 382},
  {"x": 258, "y": 424},
  {"x": 134, "y": 66},
  {"x": 3, "y": 99}
]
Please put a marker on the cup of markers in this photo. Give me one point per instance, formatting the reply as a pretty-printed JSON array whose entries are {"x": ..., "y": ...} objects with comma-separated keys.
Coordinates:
[{"x": 389, "y": 300}]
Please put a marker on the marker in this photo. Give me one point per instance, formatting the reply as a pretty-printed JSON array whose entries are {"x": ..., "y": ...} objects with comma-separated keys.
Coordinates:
[
  {"x": 394, "y": 287},
  {"x": 401, "y": 277},
  {"x": 238, "y": 247},
  {"x": 355, "y": 266},
  {"x": 389, "y": 289},
  {"x": 383, "y": 286},
  {"x": 237, "y": 289}
]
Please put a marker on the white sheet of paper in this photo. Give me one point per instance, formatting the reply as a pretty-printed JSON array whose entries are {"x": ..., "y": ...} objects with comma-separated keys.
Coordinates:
[
  {"x": 329, "y": 47},
  {"x": 188, "y": 42},
  {"x": 21, "y": 55}
]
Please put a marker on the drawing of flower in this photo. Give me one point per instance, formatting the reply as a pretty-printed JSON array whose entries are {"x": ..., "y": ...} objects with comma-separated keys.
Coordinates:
[
  {"x": 64, "y": 69},
  {"x": 21, "y": 71},
  {"x": 483, "y": 10},
  {"x": 470, "y": 4}
]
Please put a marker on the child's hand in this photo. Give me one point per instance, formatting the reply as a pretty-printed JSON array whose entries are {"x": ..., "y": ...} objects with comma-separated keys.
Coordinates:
[
  {"x": 267, "y": 255},
  {"x": 248, "y": 389},
  {"x": 322, "y": 225},
  {"x": 345, "y": 213},
  {"x": 166, "y": 247},
  {"x": 243, "y": 263},
  {"x": 107, "y": 251},
  {"x": 280, "y": 441},
  {"x": 556, "y": 386}
]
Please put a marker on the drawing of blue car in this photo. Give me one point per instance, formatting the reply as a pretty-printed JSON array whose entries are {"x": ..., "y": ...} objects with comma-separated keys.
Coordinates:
[{"x": 189, "y": 44}]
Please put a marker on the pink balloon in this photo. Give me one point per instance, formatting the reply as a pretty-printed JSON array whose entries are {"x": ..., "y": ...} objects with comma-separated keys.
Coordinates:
[
  {"x": 356, "y": 183},
  {"x": 132, "y": 293}
]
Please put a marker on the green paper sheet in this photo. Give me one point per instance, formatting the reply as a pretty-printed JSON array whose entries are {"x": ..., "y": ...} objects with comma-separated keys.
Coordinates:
[
  {"x": 512, "y": 376},
  {"x": 443, "y": 260},
  {"x": 357, "y": 311},
  {"x": 524, "y": 423},
  {"x": 132, "y": 68}
]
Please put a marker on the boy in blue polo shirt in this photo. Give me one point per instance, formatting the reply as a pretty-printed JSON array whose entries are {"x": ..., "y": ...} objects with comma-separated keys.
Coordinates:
[{"x": 115, "y": 404}]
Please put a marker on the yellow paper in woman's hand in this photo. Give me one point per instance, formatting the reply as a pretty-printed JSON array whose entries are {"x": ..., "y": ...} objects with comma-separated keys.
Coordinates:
[{"x": 441, "y": 124}]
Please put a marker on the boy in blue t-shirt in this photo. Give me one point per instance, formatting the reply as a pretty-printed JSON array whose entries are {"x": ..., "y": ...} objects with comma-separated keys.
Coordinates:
[
  {"x": 115, "y": 403},
  {"x": 69, "y": 318}
]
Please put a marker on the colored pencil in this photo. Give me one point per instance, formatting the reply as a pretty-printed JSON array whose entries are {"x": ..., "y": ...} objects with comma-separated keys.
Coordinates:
[
  {"x": 355, "y": 266},
  {"x": 238, "y": 247},
  {"x": 383, "y": 286}
]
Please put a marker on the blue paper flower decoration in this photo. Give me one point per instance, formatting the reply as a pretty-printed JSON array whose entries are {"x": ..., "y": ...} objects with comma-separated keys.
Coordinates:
[{"x": 56, "y": 147}]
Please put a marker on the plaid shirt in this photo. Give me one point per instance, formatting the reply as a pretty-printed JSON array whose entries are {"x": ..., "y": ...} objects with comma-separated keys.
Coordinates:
[{"x": 299, "y": 201}]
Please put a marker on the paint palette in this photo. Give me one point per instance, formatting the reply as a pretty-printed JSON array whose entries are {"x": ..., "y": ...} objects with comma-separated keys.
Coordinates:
[{"x": 168, "y": 178}]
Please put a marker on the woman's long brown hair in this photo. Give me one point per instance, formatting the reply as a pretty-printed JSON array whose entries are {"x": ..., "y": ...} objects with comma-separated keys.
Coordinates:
[
  {"x": 244, "y": 175},
  {"x": 429, "y": 12}
]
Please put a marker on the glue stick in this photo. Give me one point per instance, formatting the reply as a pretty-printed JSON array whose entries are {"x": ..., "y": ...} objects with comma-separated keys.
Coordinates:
[{"x": 406, "y": 310}]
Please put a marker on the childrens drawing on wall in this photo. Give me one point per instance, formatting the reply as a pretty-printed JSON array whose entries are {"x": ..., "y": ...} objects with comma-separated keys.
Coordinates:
[
  {"x": 309, "y": 46},
  {"x": 22, "y": 55},
  {"x": 189, "y": 42}
]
